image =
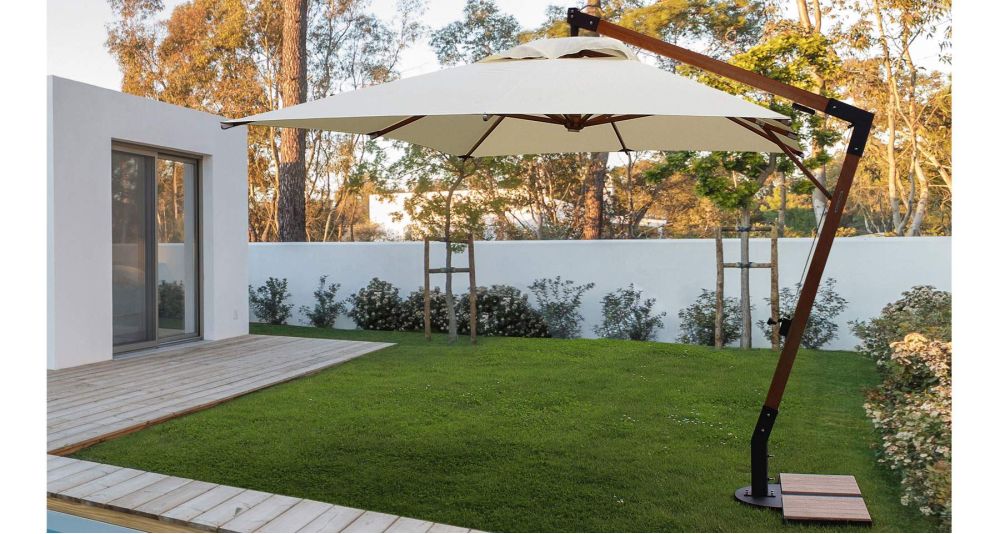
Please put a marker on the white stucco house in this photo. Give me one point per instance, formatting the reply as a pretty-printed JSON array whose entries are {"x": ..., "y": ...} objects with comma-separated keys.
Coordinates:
[{"x": 147, "y": 225}]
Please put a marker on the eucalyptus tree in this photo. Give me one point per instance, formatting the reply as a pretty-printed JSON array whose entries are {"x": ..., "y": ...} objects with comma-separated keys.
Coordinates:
[{"x": 224, "y": 57}]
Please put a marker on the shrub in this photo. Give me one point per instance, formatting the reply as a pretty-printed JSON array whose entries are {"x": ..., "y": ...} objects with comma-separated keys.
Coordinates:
[
  {"x": 376, "y": 306},
  {"x": 559, "y": 304},
  {"x": 324, "y": 312},
  {"x": 627, "y": 316},
  {"x": 922, "y": 309},
  {"x": 268, "y": 301},
  {"x": 911, "y": 409},
  {"x": 412, "y": 312},
  {"x": 697, "y": 321},
  {"x": 822, "y": 327},
  {"x": 501, "y": 310},
  {"x": 170, "y": 300}
]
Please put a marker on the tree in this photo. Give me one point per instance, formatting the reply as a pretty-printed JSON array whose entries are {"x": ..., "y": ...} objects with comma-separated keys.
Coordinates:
[
  {"x": 223, "y": 57},
  {"x": 483, "y": 31},
  {"x": 292, "y": 167}
]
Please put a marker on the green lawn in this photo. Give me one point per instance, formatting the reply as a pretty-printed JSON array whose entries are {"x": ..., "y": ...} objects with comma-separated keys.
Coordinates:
[{"x": 533, "y": 434}]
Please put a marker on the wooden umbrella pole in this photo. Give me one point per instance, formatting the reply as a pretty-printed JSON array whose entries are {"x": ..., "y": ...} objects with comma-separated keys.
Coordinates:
[{"x": 860, "y": 121}]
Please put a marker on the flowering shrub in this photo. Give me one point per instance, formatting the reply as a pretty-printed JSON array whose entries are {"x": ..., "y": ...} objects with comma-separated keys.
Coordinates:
[
  {"x": 911, "y": 410},
  {"x": 697, "y": 321},
  {"x": 324, "y": 312},
  {"x": 268, "y": 302},
  {"x": 922, "y": 309},
  {"x": 376, "y": 306},
  {"x": 821, "y": 328},
  {"x": 559, "y": 303},
  {"x": 627, "y": 316},
  {"x": 412, "y": 318},
  {"x": 501, "y": 311}
]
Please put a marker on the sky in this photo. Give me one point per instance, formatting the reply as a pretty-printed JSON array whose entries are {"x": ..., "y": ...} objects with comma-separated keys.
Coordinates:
[{"x": 76, "y": 35}]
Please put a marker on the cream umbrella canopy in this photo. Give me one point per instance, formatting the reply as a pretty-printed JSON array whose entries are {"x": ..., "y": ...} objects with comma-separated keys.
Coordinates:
[{"x": 572, "y": 94}]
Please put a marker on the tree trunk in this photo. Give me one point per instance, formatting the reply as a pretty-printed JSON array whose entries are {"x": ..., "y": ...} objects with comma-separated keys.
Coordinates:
[
  {"x": 593, "y": 206},
  {"x": 597, "y": 172},
  {"x": 292, "y": 169},
  {"x": 783, "y": 205},
  {"x": 803, "y": 10},
  {"x": 746, "y": 333},
  {"x": 890, "y": 118}
]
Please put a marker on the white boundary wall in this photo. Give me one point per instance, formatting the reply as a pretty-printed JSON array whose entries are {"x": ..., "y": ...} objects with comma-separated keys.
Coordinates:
[
  {"x": 870, "y": 271},
  {"x": 83, "y": 121}
]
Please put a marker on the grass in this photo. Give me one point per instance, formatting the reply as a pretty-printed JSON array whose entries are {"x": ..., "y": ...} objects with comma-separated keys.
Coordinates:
[{"x": 533, "y": 434}]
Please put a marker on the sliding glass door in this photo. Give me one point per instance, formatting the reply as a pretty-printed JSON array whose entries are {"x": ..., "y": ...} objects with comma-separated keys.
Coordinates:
[{"x": 155, "y": 248}]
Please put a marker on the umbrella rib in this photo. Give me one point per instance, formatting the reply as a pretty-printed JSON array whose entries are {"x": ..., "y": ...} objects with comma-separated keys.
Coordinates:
[
  {"x": 619, "y": 135},
  {"x": 769, "y": 134},
  {"x": 483, "y": 138},
  {"x": 612, "y": 118},
  {"x": 379, "y": 133},
  {"x": 535, "y": 118},
  {"x": 762, "y": 133}
]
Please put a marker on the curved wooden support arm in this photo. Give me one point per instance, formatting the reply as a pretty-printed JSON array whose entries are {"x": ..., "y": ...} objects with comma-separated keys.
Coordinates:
[{"x": 860, "y": 122}]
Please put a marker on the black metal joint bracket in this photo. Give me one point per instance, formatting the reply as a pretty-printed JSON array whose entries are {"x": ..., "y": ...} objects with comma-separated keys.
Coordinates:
[
  {"x": 860, "y": 120},
  {"x": 784, "y": 324},
  {"x": 578, "y": 19},
  {"x": 758, "y": 451}
]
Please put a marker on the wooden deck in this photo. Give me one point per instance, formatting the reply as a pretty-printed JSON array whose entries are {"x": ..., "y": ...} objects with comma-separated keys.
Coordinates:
[
  {"x": 97, "y": 402},
  {"x": 201, "y": 506}
]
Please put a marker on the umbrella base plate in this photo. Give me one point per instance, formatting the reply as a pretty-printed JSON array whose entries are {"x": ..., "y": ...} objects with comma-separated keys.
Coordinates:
[{"x": 771, "y": 500}]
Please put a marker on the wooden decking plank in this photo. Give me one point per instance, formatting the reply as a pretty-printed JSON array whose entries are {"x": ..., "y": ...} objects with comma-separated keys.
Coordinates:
[
  {"x": 825, "y": 508},
  {"x": 260, "y": 514},
  {"x": 201, "y": 503},
  {"x": 241, "y": 379},
  {"x": 99, "y": 383},
  {"x": 296, "y": 517},
  {"x": 53, "y": 462},
  {"x": 794, "y": 483},
  {"x": 441, "y": 527},
  {"x": 74, "y": 466},
  {"x": 333, "y": 520},
  {"x": 161, "y": 369},
  {"x": 371, "y": 522},
  {"x": 245, "y": 373},
  {"x": 144, "y": 495},
  {"x": 108, "y": 480},
  {"x": 225, "y": 511},
  {"x": 132, "y": 485},
  {"x": 156, "y": 370},
  {"x": 408, "y": 524},
  {"x": 55, "y": 487},
  {"x": 174, "y": 498},
  {"x": 171, "y": 409}
]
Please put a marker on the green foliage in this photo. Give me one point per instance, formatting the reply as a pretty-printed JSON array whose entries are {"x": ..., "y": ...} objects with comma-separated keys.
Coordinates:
[
  {"x": 325, "y": 310},
  {"x": 627, "y": 316},
  {"x": 484, "y": 31},
  {"x": 269, "y": 301},
  {"x": 697, "y": 321},
  {"x": 730, "y": 179},
  {"x": 559, "y": 303},
  {"x": 922, "y": 309},
  {"x": 502, "y": 310},
  {"x": 413, "y": 311},
  {"x": 822, "y": 327},
  {"x": 376, "y": 306},
  {"x": 911, "y": 410},
  {"x": 170, "y": 300}
]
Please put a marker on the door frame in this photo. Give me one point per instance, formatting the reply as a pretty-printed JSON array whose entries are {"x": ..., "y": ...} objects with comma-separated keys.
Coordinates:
[{"x": 152, "y": 275}]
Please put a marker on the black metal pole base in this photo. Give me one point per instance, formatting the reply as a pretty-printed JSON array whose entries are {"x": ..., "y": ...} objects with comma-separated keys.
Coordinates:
[{"x": 771, "y": 500}]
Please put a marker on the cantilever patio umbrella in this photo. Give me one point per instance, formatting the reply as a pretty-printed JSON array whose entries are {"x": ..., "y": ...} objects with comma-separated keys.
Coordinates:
[
  {"x": 574, "y": 94},
  {"x": 588, "y": 94}
]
